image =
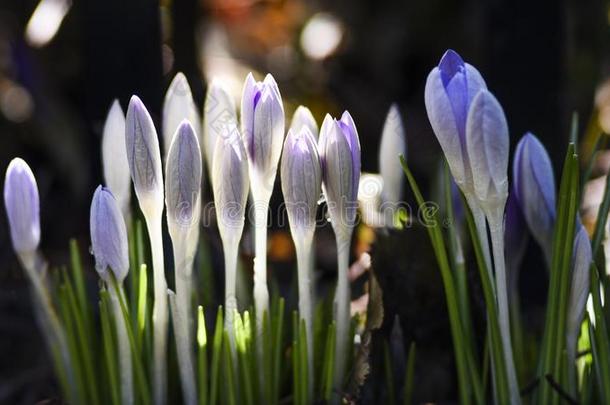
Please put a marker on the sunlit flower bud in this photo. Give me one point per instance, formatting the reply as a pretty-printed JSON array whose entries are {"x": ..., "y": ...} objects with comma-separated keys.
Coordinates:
[
  {"x": 114, "y": 157},
  {"x": 108, "y": 236},
  {"x": 340, "y": 159},
  {"x": 183, "y": 179},
  {"x": 487, "y": 144},
  {"x": 178, "y": 106},
  {"x": 22, "y": 206},
  {"x": 301, "y": 179},
  {"x": 303, "y": 117},
  {"x": 450, "y": 89},
  {"x": 579, "y": 288},
  {"x": 230, "y": 184},
  {"x": 143, "y": 156},
  {"x": 262, "y": 125},
  {"x": 393, "y": 144},
  {"x": 534, "y": 186},
  {"x": 218, "y": 114}
]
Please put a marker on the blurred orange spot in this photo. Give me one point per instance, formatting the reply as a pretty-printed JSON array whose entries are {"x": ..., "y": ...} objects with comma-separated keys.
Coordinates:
[{"x": 281, "y": 247}]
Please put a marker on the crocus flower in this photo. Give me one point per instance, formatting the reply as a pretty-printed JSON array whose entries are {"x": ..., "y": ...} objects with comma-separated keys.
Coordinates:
[
  {"x": 218, "y": 115},
  {"x": 393, "y": 144},
  {"x": 339, "y": 147},
  {"x": 534, "y": 185},
  {"x": 22, "y": 206},
  {"x": 262, "y": 126},
  {"x": 303, "y": 117},
  {"x": 178, "y": 106},
  {"x": 144, "y": 159},
  {"x": 516, "y": 238},
  {"x": 230, "y": 184},
  {"x": 108, "y": 236},
  {"x": 114, "y": 158},
  {"x": 579, "y": 288},
  {"x": 487, "y": 146},
  {"x": 340, "y": 159},
  {"x": 450, "y": 89}
]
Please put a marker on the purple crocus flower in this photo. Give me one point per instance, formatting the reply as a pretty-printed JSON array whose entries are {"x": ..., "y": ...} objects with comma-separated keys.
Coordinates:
[
  {"x": 450, "y": 89},
  {"x": 301, "y": 177},
  {"x": 108, "y": 236},
  {"x": 22, "y": 206},
  {"x": 339, "y": 148},
  {"x": 516, "y": 238},
  {"x": 262, "y": 126},
  {"x": 534, "y": 186}
]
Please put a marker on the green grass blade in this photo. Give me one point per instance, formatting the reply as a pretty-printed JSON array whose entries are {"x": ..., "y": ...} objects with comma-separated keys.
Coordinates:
[
  {"x": 110, "y": 351},
  {"x": 407, "y": 397},
  {"x": 278, "y": 330},
  {"x": 328, "y": 364},
  {"x": 389, "y": 374},
  {"x": 303, "y": 362},
  {"x": 229, "y": 388},
  {"x": 600, "y": 344},
  {"x": 202, "y": 356},
  {"x": 216, "y": 356}
]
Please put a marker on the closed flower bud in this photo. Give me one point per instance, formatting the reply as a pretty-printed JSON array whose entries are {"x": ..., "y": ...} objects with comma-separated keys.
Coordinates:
[
  {"x": 183, "y": 179},
  {"x": 301, "y": 178},
  {"x": 22, "y": 206},
  {"x": 450, "y": 89},
  {"x": 262, "y": 126},
  {"x": 144, "y": 156},
  {"x": 516, "y": 239},
  {"x": 114, "y": 157},
  {"x": 534, "y": 186},
  {"x": 303, "y": 117},
  {"x": 108, "y": 236},
  {"x": 218, "y": 115},
  {"x": 393, "y": 144},
  {"x": 339, "y": 148},
  {"x": 487, "y": 144},
  {"x": 230, "y": 185},
  {"x": 178, "y": 106}
]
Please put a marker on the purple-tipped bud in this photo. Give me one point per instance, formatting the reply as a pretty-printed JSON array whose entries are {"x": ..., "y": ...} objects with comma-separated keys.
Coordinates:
[
  {"x": 183, "y": 178},
  {"x": 108, "y": 236},
  {"x": 230, "y": 184},
  {"x": 22, "y": 206},
  {"x": 393, "y": 144},
  {"x": 114, "y": 157},
  {"x": 487, "y": 145},
  {"x": 301, "y": 178},
  {"x": 579, "y": 289},
  {"x": 143, "y": 154},
  {"x": 534, "y": 186},
  {"x": 303, "y": 117},
  {"x": 262, "y": 126},
  {"x": 178, "y": 105},
  {"x": 450, "y": 89},
  {"x": 218, "y": 117},
  {"x": 339, "y": 148},
  {"x": 515, "y": 240}
]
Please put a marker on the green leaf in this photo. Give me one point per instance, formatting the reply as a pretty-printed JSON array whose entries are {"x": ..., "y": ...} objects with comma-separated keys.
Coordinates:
[
  {"x": 202, "y": 356},
  {"x": 110, "y": 351},
  {"x": 216, "y": 356},
  {"x": 409, "y": 374}
]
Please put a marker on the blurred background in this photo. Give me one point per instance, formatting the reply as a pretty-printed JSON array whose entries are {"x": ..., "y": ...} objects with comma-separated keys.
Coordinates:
[{"x": 62, "y": 62}]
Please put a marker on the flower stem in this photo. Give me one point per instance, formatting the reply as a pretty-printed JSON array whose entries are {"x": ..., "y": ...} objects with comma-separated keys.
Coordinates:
[
  {"x": 342, "y": 312},
  {"x": 230, "y": 255},
  {"x": 261, "y": 294},
  {"x": 160, "y": 314},
  {"x": 496, "y": 228},
  {"x": 303, "y": 249},
  {"x": 126, "y": 371}
]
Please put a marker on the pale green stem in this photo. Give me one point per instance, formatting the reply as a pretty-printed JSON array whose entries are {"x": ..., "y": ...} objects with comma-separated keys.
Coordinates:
[
  {"x": 261, "y": 293},
  {"x": 303, "y": 249},
  {"x": 181, "y": 312},
  {"x": 342, "y": 312},
  {"x": 160, "y": 312},
  {"x": 126, "y": 371},
  {"x": 479, "y": 221},
  {"x": 230, "y": 255},
  {"x": 54, "y": 333},
  {"x": 496, "y": 227}
]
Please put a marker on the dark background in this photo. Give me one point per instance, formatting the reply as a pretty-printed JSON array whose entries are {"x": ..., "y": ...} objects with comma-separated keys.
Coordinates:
[{"x": 542, "y": 59}]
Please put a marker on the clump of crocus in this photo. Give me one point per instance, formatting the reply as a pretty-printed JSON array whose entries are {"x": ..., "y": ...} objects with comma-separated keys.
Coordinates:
[
  {"x": 301, "y": 177},
  {"x": 262, "y": 126},
  {"x": 114, "y": 158},
  {"x": 218, "y": 115},
  {"x": 230, "y": 184},
  {"x": 534, "y": 186},
  {"x": 144, "y": 159},
  {"x": 339, "y": 149},
  {"x": 393, "y": 144},
  {"x": 110, "y": 249},
  {"x": 178, "y": 105},
  {"x": 22, "y": 206},
  {"x": 303, "y": 117},
  {"x": 183, "y": 202}
]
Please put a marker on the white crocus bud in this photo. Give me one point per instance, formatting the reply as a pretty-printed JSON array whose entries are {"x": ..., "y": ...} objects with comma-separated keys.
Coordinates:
[
  {"x": 178, "y": 105},
  {"x": 218, "y": 114},
  {"x": 393, "y": 144},
  {"x": 303, "y": 117},
  {"x": 114, "y": 158}
]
